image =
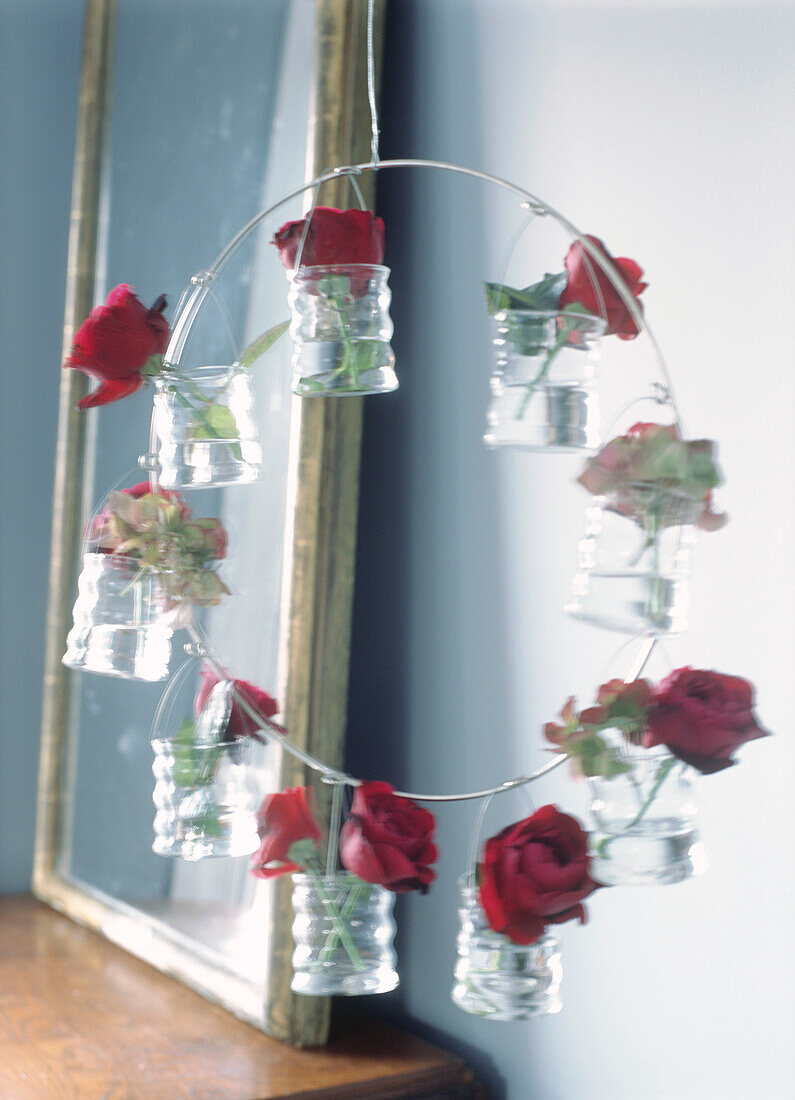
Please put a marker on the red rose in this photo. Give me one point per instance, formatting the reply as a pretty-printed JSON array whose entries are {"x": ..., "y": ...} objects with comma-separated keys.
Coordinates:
[
  {"x": 333, "y": 237},
  {"x": 114, "y": 343},
  {"x": 702, "y": 717},
  {"x": 240, "y": 724},
  {"x": 534, "y": 873},
  {"x": 388, "y": 840},
  {"x": 584, "y": 272},
  {"x": 283, "y": 820}
]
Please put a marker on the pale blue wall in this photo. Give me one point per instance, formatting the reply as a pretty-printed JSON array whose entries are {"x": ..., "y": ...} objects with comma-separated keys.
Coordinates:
[{"x": 41, "y": 43}]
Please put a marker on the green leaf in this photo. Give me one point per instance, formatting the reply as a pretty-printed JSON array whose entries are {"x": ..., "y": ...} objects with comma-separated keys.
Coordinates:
[
  {"x": 152, "y": 367},
  {"x": 207, "y": 823},
  {"x": 335, "y": 286},
  {"x": 543, "y": 295},
  {"x": 222, "y": 421},
  {"x": 262, "y": 343},
  {"x": 194, "y": 765},
  {"x": 217, "y": 422}
]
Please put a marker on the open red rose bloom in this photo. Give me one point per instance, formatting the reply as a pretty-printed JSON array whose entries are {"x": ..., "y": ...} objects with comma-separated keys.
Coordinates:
[
  {"x": 115, "y": 342},
  {"x": 534, "y": 873},
  {"x": 388, "y": 840},
  {"x": 284, "y": 819},
  {"x": 588, "y": 286},
  {"x": 702, "y": 717}
]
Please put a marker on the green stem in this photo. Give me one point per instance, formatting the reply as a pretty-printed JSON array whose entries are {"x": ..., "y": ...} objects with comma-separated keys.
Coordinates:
[
  {"x": 653, "y": 525},
  {"x": 350, "y": 904},
  {"x": 348, "y": 365},
  {"x": 530, "y": 388},
  {"x": 659, "y": 779},
  {"x": 340, "y": 928}
]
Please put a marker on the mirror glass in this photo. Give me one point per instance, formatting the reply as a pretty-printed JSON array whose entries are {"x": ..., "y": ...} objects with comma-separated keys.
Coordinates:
[{"x": 209, "y": 118}]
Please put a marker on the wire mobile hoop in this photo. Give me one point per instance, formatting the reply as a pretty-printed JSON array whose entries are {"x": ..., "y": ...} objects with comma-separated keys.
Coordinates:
[{"x": 202, "y": 286}]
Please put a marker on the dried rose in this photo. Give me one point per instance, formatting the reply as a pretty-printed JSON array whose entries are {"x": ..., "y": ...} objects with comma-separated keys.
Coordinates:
[{"x": 651, "y": 469}]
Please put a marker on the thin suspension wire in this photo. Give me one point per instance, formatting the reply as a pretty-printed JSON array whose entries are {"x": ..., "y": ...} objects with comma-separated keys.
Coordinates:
[
  {"x": 275, "y": 734},
  {"x": 371, "y": 86}
]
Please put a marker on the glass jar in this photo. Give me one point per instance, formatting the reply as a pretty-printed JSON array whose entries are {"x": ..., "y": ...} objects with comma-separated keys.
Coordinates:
[
  {"x": 543, "y": 397},
  {"x": 646, "y": 822},
  {"x": 634, "y": 565},
  {"x": 205, "y": 428},
  {"x": 349, "y": 961},
  {"x": 118, "y": 622},
  {"x": 341, "y": 330},
  {"x": 206, "y": 800},
  {"x": 500, "y": 979}
]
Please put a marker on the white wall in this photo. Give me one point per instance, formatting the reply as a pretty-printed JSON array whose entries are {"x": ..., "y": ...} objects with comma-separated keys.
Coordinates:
[{"x": 666, "y": 129}]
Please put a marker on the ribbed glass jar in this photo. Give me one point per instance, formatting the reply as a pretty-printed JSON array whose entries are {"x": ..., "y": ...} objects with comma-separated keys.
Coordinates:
[
  {"x": 341, "y": 330},
  {"x": 118, "y": 622},
  {"x": 205, "y": 428},
  {"x": 634, "y": 567},
  {"x": 500, "y": 979},
  {"x": 206, "y": 801},
  {"x": 646, "y": 822},
  {"x": 359, "y": 961},
  {"x": 543, "y": 397}
]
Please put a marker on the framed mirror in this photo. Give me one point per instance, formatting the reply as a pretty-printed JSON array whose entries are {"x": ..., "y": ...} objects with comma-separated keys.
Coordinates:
[{"x": 183, "y": 136}]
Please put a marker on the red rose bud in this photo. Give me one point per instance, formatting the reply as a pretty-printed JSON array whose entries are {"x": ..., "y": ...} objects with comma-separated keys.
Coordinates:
[
  {"x": 332, "y": 237},
  {"x": 535, "y": 873},
  {"x": 388, "y": 840},
  {"x": 702, "y": 717},
  {"x": 284, "y": 819},
  {"x": 240, "y": 724},
  {"x": 585, "y": 275},
  {"x": 115, "y": 342}
]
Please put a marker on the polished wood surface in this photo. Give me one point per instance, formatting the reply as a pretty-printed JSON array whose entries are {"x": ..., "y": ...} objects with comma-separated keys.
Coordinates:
[{"x": 80, "y": 1019}]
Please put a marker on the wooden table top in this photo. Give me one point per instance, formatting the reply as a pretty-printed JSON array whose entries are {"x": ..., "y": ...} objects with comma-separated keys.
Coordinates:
[{"x": 80, "y": 1019}]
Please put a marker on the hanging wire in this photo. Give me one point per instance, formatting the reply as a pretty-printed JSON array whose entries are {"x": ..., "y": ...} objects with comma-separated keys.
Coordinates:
[
  {"x": 276, "y": 734},
  {"x": 371, "y": 86}
]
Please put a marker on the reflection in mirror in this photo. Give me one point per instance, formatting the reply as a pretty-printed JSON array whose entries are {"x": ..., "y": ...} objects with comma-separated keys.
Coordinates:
[{"x": 209, "y": 123}]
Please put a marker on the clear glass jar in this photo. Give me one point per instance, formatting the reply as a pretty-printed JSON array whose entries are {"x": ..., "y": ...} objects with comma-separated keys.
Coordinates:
[
  {"x": 206, "y": 800},
  {"x": 634, "y": 568},
  {"x": 543, "y": 398},
  {"x": 646, "y": 822},
  {"x": 205, "y": 428},
  {"x": 118, "y": 622},
  {"x": 356, "y": 961},
  {"x": 500, "y": 979},
  {"x": 341, "y": 330}
]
